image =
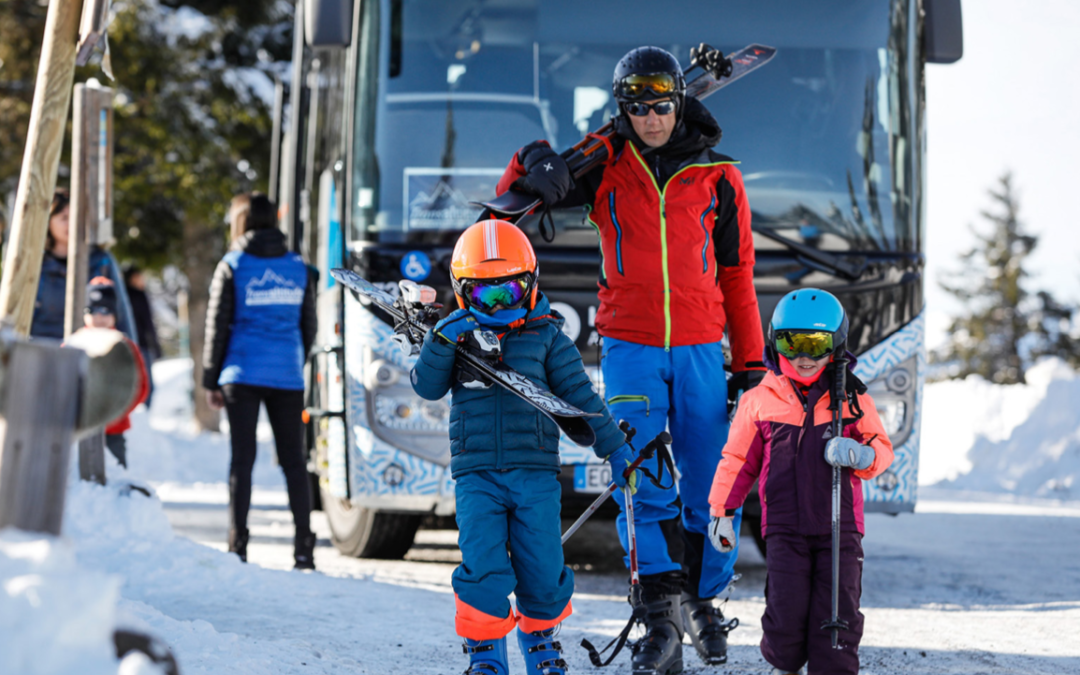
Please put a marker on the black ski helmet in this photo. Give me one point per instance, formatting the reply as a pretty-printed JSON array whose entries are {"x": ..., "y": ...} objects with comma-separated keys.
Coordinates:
[{"x": 645, "y": 61}]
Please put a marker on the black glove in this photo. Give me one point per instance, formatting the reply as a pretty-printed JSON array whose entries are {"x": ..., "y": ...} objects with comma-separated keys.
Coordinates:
[
  {"x": 547, "y": 175},
  {"x": 743, "y": 382}
]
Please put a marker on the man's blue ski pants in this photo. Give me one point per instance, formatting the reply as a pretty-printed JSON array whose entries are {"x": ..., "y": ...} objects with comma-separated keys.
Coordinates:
[{"x": 682, "y": 389}]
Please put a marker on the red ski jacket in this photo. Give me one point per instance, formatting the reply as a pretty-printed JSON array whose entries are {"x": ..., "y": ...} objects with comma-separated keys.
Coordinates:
[
  {"x": 778, "y": 439},
  {"x": 678, "y": 257}
]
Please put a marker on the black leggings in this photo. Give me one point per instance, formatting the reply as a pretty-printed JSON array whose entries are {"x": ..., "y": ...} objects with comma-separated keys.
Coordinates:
[{"x": 284, "y": 408}]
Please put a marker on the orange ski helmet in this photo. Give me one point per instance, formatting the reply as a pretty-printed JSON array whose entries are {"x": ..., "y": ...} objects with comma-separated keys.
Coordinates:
[{"x": 495, "y": 252}]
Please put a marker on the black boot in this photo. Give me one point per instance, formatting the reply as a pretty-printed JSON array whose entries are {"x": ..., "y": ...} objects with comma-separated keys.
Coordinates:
[
  {"x": 659, "y": 652},
  {"x": 707, "y": 628},
  {"x": 238, "y": 541},
  {"x": 304, "y": 551}
]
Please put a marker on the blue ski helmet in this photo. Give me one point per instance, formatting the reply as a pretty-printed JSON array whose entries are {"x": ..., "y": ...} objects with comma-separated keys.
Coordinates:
[{"x": 809, "y": 310}]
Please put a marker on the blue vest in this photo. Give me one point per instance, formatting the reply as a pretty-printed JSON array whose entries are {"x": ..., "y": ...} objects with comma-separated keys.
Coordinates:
[{"x": 266, "y": 348}]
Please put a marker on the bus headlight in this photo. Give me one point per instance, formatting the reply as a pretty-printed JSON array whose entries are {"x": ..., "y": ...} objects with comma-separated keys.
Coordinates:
[
  {"x": 894, "y": 396},
  {"x": 403, "y": 419}
]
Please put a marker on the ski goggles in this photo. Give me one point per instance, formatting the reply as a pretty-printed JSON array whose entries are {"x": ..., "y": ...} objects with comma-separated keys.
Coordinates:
[
  {"x": 657, "y": 84},
  {"x": 487, "y": 294},
  {"x": 815, "y": 345},
  {"x": 638, "y": 109}
]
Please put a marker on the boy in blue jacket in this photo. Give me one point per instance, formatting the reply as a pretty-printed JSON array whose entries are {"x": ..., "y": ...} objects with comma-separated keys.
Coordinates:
[{"x": 505, "y": 453}]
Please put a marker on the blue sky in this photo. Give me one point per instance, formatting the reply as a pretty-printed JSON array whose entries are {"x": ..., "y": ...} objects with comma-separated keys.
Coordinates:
[{"x": 1012, "y": 102}]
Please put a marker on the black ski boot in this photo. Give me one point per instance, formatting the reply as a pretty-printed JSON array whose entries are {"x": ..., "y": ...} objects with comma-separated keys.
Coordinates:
[
  {"x": 659, "y": 652},
  {"x": 238, "y": 541},
  {"x": 304, "y": 551},
  {"x": 707, "y": 628}
]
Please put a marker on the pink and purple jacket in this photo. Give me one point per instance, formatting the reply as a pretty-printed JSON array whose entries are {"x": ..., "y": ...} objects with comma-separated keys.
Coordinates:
[{"x": 778, "y": 438}]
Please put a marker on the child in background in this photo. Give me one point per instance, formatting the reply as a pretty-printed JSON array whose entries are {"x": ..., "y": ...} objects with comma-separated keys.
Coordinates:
[
  {"x": 101, "y": 313},
  {"x": 782, "y": 436},
  {"x": 505, "y": 453}
]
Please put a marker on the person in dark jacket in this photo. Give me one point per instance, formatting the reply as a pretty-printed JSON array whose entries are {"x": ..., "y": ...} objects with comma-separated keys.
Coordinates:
[
  {"x": 135, "y": 285},
  {"x": 260, "y": 324},
  {"x": 49, "y": 307},
  {"x": 505, "y": 453},
  {"x": 677, "y": 260}
]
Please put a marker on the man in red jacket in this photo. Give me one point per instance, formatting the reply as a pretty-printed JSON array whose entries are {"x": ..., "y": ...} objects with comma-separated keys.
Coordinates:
[{"x": 677, "y": 259}]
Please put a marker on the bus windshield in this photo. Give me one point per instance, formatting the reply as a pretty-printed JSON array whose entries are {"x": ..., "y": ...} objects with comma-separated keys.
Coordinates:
[{"x": 447, "y": 91}]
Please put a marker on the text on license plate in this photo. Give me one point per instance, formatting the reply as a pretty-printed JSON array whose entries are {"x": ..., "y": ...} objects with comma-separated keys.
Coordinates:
[{"x": 592, "y": 477}]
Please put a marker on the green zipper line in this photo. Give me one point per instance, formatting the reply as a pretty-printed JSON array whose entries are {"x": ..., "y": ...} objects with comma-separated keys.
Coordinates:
[
  {"x": 663, "y": 235},
  {"x": 599, "y": 241},
  {"x": 630, "y": 398}
]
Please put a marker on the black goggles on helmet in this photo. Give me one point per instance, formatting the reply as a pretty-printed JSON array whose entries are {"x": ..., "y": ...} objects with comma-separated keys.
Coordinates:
[
  {"x": 815, "y": 345},
  {"x": 650, "y": 85}
]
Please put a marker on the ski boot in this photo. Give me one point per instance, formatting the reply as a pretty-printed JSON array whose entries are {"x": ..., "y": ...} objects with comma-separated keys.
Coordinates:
[
  {"x": 304, "y": 551},
  {"x": 238, "y": 541},
  {"x": 486, "y": 657},
  {"x": 543, "y": 654},
  {"x": 707, "y": 628},
  {"x": 659, "y": 651}
]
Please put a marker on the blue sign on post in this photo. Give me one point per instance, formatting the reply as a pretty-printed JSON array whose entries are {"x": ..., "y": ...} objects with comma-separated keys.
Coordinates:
[{"x": 415, "y": 265}]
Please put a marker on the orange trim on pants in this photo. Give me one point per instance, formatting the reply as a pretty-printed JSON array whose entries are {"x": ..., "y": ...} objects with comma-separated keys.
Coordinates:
[
  {"x": 473, "y": 624},
  {"x": 530, "y": 625}
]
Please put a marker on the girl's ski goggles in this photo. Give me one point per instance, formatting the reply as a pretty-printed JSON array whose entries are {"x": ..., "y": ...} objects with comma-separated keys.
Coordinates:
[
  {"x": 815, "y": 345},
  {"x": 487, "y": 294},
  {"x": 638, "y": 109},
  {"x": 636, "y": 86}
]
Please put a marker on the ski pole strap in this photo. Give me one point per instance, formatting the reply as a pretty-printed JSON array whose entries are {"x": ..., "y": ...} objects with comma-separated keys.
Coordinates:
[
  {"x": 663, "y": 458},
  {"x": 618, "y": 642}
]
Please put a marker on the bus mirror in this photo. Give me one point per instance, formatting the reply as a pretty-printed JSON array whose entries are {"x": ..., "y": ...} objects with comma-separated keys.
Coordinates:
[
  {"x": 328, "y": 23},
  {"x": 943, "y": 31}
]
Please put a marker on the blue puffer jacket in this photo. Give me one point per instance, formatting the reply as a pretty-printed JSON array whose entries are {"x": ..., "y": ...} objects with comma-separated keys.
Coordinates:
[{"x": 494, "y": 429}]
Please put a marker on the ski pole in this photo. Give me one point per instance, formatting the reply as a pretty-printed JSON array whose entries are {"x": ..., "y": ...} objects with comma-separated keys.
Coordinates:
[
  {"x": 839, "y": 395},
  {"x": 646, "y": 453}
]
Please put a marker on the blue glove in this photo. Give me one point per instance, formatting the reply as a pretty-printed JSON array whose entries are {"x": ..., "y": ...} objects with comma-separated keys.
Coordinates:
[
  {"x": 458, "y": 322},
  {"x": 848, "y": 452},
  {"x": 620, "y": 460}
]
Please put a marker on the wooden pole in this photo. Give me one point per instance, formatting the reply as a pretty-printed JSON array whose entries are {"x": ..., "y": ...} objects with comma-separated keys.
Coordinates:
[
  {"x": 37, "y": 180},
  {"x": 91, "y": 210}
]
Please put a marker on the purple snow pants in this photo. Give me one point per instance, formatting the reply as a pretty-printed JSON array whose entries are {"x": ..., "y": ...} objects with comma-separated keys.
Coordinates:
[{"x": 798, "y": 599}]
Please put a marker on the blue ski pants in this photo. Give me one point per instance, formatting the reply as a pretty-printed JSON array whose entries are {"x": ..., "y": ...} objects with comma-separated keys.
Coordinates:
[
  {"x": 682, "y": 389},
  {"x": 510, "y": 540}
]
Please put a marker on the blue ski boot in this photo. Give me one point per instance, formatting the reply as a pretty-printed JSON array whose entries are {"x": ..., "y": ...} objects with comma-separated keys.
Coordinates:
[
  {"x": 486, "y": 657},
  {"x": 543, "y": 653}
]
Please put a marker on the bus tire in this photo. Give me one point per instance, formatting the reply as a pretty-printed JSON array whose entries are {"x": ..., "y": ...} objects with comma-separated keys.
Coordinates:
[{"x": 368, "y": 533}]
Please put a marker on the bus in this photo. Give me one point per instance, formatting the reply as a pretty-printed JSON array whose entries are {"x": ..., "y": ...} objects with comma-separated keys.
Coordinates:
[{"x": 403, "y": 113}]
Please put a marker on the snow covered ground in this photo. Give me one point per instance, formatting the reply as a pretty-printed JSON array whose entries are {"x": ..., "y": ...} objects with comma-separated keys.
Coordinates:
[{"x": 984, "y": 578}]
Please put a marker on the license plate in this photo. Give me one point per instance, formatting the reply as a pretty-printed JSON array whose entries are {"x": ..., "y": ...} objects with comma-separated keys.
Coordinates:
[{"x": 592, "y": 477}]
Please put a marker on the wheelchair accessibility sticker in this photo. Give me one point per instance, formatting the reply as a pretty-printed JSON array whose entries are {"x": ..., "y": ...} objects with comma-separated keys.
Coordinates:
[{"x": 415, "y": 265}]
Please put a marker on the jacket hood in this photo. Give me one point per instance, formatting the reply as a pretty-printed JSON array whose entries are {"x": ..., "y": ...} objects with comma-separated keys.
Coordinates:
[
  {"x": 697, "y": 130},
  {"x": 265, "y": 243}
]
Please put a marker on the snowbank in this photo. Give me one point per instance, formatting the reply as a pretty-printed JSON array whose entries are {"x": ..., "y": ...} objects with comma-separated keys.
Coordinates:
[{"x": 1019, "y": 439}]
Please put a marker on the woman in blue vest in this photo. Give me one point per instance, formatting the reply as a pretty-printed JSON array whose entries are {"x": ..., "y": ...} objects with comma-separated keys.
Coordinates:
[{"x": 260, "y": 324}]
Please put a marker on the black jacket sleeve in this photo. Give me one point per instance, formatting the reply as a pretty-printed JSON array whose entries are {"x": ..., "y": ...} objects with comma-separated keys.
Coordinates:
[
  {"x": 219, "y": 317},
  {"x": 309, "y": 316}
]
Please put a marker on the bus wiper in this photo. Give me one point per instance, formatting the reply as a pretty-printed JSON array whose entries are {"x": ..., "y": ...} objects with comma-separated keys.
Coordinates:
[{"x": 850, "y": 267}]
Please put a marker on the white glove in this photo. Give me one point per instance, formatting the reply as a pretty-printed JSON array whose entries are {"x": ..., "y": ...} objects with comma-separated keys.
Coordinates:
[
  {"x": 722, "y": 534},
  {"x": 848, "y": 452}
]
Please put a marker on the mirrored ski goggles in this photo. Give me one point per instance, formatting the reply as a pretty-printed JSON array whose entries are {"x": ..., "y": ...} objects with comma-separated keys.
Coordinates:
[
  {"x": 815, "y": 345},
  {"x": 636, "y": 86},
  {"x": 638, "y": 109},
  {"x": 487, "y": 294}
]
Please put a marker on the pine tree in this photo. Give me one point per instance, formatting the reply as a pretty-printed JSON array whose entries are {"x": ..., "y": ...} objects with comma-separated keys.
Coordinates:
[{"x": 1004, "y": 327}]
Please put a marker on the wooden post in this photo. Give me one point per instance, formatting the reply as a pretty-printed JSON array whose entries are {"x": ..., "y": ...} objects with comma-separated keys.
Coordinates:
[
  {"x": 39, "y": 397},
  {"x": 37, "y": 180},
  {"x": 91, "y": 217}
]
